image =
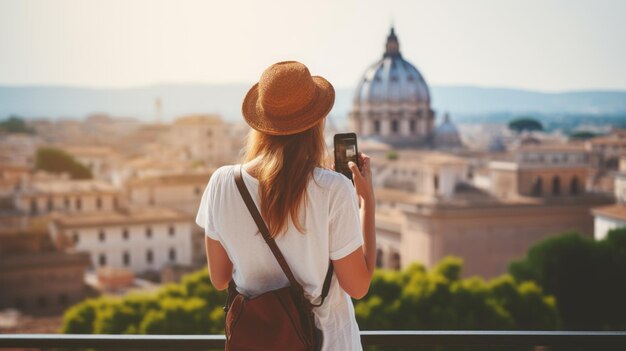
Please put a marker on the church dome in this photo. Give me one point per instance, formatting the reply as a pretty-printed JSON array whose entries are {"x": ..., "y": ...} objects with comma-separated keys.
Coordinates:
[
  {"x": 446, "y": 135},
  {"x": 392, "y": 79}
]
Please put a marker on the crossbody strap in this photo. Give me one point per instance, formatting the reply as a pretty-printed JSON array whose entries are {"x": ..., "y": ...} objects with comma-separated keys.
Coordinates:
[{"x": 247, "y": 199}]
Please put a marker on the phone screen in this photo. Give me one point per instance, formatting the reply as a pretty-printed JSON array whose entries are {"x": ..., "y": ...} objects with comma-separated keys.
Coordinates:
[{"x": 345, "y": 151}]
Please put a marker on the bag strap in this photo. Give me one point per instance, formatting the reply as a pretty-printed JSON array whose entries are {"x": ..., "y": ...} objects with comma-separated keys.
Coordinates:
[{"x": 247, "y": 199}]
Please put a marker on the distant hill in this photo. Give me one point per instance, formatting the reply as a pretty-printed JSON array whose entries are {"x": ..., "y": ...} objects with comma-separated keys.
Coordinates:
[{"x": 225, "y": 99}]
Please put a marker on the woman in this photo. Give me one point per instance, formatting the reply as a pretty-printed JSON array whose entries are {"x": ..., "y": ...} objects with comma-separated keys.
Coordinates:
[{"x": 311, "y": 212}]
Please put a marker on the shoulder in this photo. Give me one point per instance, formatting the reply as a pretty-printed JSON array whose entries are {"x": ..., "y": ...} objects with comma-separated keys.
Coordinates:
[
  {"x": 220, "y": 175},
  {"x": 223, "y": 171},
  {"x": 331, "y": 180}
]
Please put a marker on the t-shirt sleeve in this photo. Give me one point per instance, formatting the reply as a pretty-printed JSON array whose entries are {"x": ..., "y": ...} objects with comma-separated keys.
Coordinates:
[
  {"x": 345, "y": 233},
  {"x": 205, "y": 216}
]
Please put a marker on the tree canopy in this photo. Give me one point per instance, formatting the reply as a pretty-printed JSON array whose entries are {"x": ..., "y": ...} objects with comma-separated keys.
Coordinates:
[
  {"x": 410, "y": 299},
  {"x": 583, "y": 135},
  {"x": 15, "y": 124},
  {"x": 587, "y": 278},
  {"x": 57, "y": 161},
  {"x": 525, "y": 124}
]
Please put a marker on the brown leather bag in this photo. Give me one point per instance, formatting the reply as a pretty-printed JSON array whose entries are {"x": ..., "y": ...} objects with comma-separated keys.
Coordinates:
[{"x": 280, "y": 319}]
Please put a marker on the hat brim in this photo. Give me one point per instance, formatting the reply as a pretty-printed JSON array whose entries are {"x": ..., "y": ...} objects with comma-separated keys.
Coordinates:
[{"x": 256, "y": 117}]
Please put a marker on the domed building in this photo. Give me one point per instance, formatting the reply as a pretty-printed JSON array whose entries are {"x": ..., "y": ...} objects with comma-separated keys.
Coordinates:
[
  {"x": 392, "y": 101},
  {"x": 446, "y": 136}
]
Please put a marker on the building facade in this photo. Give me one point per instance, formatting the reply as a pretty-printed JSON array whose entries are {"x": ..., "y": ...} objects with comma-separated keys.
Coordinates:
[{"x": 138, "y": 240}]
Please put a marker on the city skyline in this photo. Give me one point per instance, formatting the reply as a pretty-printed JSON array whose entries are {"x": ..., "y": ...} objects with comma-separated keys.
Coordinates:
[{"x": 556, "y": 46}]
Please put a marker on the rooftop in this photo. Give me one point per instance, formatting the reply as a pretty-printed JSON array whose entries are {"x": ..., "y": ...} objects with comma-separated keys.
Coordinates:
[
  {"x": 121, "y": 217},
  {"x": 43, "y": 259},
  {"x": 172, "y": 179},
  {"x": 69, "y": 186},
  {"x": 614, "y": 211}
]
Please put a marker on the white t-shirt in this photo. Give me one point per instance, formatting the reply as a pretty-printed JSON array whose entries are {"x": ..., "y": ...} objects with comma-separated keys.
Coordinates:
[{"x": 333, "y": 230}]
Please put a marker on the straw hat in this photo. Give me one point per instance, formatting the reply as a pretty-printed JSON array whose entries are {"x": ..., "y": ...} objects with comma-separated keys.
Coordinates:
[{"x": 287, "y": 99}]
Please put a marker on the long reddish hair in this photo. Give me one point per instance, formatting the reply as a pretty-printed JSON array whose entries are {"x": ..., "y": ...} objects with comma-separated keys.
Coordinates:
[{"x": 286, "y": 164}]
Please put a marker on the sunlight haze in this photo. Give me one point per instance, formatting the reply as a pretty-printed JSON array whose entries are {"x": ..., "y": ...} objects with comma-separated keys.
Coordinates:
[{"x": 541, "y": 45}]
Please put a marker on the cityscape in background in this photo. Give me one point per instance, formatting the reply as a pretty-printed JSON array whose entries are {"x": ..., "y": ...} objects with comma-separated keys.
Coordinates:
[{"x": 104, "y": 205}]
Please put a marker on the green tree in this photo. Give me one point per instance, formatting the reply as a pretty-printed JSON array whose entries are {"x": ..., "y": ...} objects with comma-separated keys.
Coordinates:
[
  {"x": 15, "y": 124},
  {"x": 528, "y": 124},
  {"x": 586, "y": 277},
  {"x": 439, "y": 299},
  {"x": 413, "y": 298},
  {"x": 57, "y": 161},
  {"x": 392, "y": 155},
  {"x": 582, "y": 135},
  {"x": 190, "y": 307}
]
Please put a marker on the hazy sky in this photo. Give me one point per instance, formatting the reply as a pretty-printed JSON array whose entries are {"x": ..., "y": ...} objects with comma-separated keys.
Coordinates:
[{"x": 550, "y": 45}]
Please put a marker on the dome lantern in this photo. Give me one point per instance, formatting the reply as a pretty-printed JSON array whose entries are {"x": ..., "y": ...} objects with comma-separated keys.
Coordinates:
[{"x": 392, "y": 48}]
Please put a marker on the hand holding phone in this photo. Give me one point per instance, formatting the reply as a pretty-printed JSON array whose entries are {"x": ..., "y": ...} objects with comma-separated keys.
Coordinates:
[{"x": 345, "y": 151}]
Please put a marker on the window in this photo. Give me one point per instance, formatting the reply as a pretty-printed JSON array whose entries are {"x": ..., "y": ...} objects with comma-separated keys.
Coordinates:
[
  {"x": 394, "y": 126},
  {"x": 125, "y": 233},
  {"x": 101, "y": 235},
  {"x": 148, "y": 232},
  {"x": 115, "y": 202},
  {"x": 537, "y": 187},
  {"x": 377, "y": 126},
  {"x": 412, "y": 126},
  {"x": 75, "y": 237},
  {"x": 98, "y": 203},
  {"x": 33, "y": 206},
  {"x": 172, "y": 254},
  {"x": 574, "y": 186},
  {"x": 66, "y": 203},
  {"x": 395, "y": 261},
  {"x": 171, "y": 230},
  {"x": 102, "y": 260},
  {"x": 50, "y": 204},
  {"x": 149, "y": 256},
  {"x": 556, "y": 185},
  {"x": 126, "y": 259},
  {"x": 42, "y": 302},
  {"x": 198, "y": 190},
  {"x": 379, "y": 258},
  {"x": 436, "y": 182},
  {"x": 79, "y": 204},
  {"x": 63, "y": 299},
  {"x": 19, "y": 303}
]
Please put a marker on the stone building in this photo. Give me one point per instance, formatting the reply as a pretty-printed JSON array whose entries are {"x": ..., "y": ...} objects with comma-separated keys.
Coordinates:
[
  {"x": 40, "y": 196},
  {"x": 428, "y": 173},
  {"x": 139, "y": 239},
  {"x": 181, "y": 191},
  {"x": 446, "y": 136},
  {"x": 488, "y": 228},
  {"x": 613, "y": 216},
  {"x": 610, "y": 147},
  {"x": 392, "y": 101},
  {"x": 542, "y": 170},
  {"x": 36, "y": 279},
  {"x": 205, "y": 138}
]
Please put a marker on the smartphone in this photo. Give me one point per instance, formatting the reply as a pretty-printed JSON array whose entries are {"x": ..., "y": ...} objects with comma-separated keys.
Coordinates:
[{"x": 345, "y": 151}]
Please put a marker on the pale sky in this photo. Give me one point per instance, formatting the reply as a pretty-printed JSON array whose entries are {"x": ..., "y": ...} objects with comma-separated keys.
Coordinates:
[{"x": 548, "y": 45}]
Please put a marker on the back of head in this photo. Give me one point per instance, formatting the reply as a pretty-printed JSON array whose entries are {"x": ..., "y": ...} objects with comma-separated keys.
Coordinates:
[
  {"x": 286, "y": 110},
  {"x": 286, "y": 164}
]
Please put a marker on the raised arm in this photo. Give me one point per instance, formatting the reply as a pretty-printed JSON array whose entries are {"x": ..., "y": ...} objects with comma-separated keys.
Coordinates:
[{"x": 355, "y": 270}]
